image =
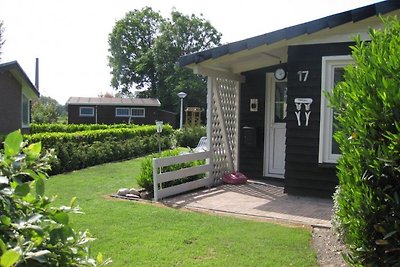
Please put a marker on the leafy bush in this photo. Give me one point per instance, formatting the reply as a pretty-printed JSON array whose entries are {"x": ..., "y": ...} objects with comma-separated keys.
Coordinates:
[
  {"x": 189, "y": 136},
  {"x": 81, "y": 149},
  {"x": 32, "y": 233},
  {"x": 368, "y": 103},
  {"x": 145, "y": 178}
]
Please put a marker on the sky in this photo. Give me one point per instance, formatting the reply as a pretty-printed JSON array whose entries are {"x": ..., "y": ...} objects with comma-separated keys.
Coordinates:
[{"x": 70, "y": 37}]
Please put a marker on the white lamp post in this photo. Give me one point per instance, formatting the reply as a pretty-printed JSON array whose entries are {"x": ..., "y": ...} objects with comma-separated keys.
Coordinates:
[
  {"x": 159, "y": 126},
  {"x": 181, "y": 95}
]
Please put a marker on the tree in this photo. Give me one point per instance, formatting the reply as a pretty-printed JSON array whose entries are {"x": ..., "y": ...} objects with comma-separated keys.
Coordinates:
[
  {"x": 131, "y": 57},
  {"x": 47, "y": 110},
  {"x": 151, "y": 65},
  {"x": 2, "y": 41},
  {"x": 367, "y": 101}
]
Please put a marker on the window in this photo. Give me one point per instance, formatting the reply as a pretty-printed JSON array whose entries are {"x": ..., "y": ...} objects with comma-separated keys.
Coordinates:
[
  {"x": 332, "y": 73},
  {"x": 86, "y": 111},
  {"x": 122, "y": 112},
  {"x": 25, "y": 111},
  {"x": 138, "y": 112}
]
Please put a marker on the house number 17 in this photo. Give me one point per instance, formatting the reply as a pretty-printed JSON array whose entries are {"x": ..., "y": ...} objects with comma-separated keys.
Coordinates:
[{"x": 303, "y": 75}]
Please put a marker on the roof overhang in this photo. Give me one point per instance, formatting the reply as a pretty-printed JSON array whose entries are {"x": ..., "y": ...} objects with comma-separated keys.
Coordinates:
[
  {"x": 123, "y": 102},
  {"x": 271, "y": 49},
  {"x": 19, "y": 74}
]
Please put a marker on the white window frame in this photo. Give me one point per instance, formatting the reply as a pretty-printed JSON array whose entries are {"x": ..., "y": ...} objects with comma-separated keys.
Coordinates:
[
  {"x": 138, "y": 116},
  {"x": 28, "y": 108},
  {"x": 86, "y": 115},
  {"x": 329, "y": 63},
  {"x": 119, "y": 115}
]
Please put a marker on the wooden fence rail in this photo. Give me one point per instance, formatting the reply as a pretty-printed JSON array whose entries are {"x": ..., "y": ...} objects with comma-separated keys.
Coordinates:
[{"x": 160, "y": 177}]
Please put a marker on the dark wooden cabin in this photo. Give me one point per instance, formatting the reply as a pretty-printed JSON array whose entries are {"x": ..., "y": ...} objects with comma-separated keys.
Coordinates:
[
  {"x": 117, "y": 110},
  {"x": 269, "y": 117}
]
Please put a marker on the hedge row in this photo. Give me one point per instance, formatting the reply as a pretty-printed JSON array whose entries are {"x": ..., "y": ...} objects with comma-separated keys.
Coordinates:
[
  {"x": 87, "y": 148},
  {"x": 71, "y": 128}
]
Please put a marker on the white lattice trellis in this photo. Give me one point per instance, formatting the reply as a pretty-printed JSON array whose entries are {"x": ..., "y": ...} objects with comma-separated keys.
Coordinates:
[{"x": 223, "y": 125}]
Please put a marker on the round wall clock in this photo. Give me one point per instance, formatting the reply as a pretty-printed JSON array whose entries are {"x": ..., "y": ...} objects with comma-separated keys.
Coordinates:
[{"x": 280, "y": 74}]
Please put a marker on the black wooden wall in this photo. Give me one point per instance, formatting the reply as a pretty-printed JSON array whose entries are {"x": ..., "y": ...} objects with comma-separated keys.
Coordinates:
[{"x": 303, "y": 174}]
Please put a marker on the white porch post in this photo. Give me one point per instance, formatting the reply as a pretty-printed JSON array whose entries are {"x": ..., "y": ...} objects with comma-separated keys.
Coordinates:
[{"x": 210, "y": 81}]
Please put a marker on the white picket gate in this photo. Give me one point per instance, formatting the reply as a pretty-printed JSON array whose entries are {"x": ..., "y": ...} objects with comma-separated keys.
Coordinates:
[{"x": 160, "y": 177}]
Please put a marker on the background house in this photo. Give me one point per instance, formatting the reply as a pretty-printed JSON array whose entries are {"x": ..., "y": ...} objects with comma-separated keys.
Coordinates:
[
  {"x": 17, "y": 93},
  {"x": 268, "y": 116},
  {"x": 117, "y": 110}
]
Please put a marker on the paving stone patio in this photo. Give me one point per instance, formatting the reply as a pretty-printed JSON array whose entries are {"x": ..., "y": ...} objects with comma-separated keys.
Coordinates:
[{"x": 257, "y": 200}]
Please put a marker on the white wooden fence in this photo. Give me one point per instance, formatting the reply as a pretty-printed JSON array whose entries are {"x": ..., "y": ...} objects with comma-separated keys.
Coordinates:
[{"x": 160, "y": 177}]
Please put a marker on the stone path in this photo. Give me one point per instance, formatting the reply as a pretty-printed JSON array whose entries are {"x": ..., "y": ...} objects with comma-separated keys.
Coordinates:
[{"x": 257, "y": 200}]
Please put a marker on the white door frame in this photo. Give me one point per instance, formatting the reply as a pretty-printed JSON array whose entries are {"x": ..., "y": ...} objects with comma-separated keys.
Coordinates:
[{"x": 269, "y": 119}]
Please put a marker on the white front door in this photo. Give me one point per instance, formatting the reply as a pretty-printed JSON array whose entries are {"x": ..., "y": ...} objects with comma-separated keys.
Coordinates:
[{"x": 275, "y": 127}]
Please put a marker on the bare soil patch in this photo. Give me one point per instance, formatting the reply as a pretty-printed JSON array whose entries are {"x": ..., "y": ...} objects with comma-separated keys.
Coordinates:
[{"x": 328, "y": 247}]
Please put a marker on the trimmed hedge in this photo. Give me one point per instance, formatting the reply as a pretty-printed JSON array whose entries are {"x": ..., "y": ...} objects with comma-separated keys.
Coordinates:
[
  {"x": 88, "y": 148},
  {"x": 71, "y": 128}
]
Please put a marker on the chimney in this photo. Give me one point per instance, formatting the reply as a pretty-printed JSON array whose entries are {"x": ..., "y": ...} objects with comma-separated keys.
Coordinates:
[{"x": 37, "y": 74}]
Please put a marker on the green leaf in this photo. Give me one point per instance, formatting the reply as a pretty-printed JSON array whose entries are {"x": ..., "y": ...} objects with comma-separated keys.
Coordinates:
[
  {"x": 22, "y": 189},
  {"x": 5, "y": 220},
  {"x": 73, "y": 202},
  {"x": 3, "y": 246},
  {"x": 12, "y": 143},
  {"x": 99, "y": 258},
  {"x": 39, "y": 185},
  {"x": 61, "y": 217},
  {"x": 33, "y": 150},
  {"x": 9, "y": 258},
  {"x": 390, "y": 234}
]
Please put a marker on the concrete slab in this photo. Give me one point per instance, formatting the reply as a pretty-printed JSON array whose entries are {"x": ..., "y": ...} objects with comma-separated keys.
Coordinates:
[{"x": 258, "y": 200}]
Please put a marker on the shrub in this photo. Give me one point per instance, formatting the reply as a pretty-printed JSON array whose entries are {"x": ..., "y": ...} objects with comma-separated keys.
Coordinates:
[
  {"x": 81, "y": 149},
  {"x": 33, "y": 233},
  {"x": 189, "y": 136},
  {"x": 145, "y": 178},
  {"x": 368, "y": 102}
]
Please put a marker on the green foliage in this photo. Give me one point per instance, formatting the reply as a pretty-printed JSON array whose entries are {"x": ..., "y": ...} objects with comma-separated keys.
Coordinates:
[
  {"x": 368, "y": 101},
  {"x": 77, "y": 150},
  {"x": 145, "y": 178},
  {"x": 189, "y": 136},
  {"x": 47, "y": 110},
  {"x": 144, "y": 47},
  {"x": 31, "y": 232}
]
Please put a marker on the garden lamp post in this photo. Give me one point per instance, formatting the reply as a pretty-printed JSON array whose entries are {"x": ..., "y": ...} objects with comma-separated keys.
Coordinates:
[
  {"x": 181, "y": 95},
  {"x": 159, "y": 125}
]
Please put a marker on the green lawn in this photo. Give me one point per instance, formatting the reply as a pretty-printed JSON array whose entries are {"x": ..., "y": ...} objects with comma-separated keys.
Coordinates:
[{"x": 139, "y": 234}]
